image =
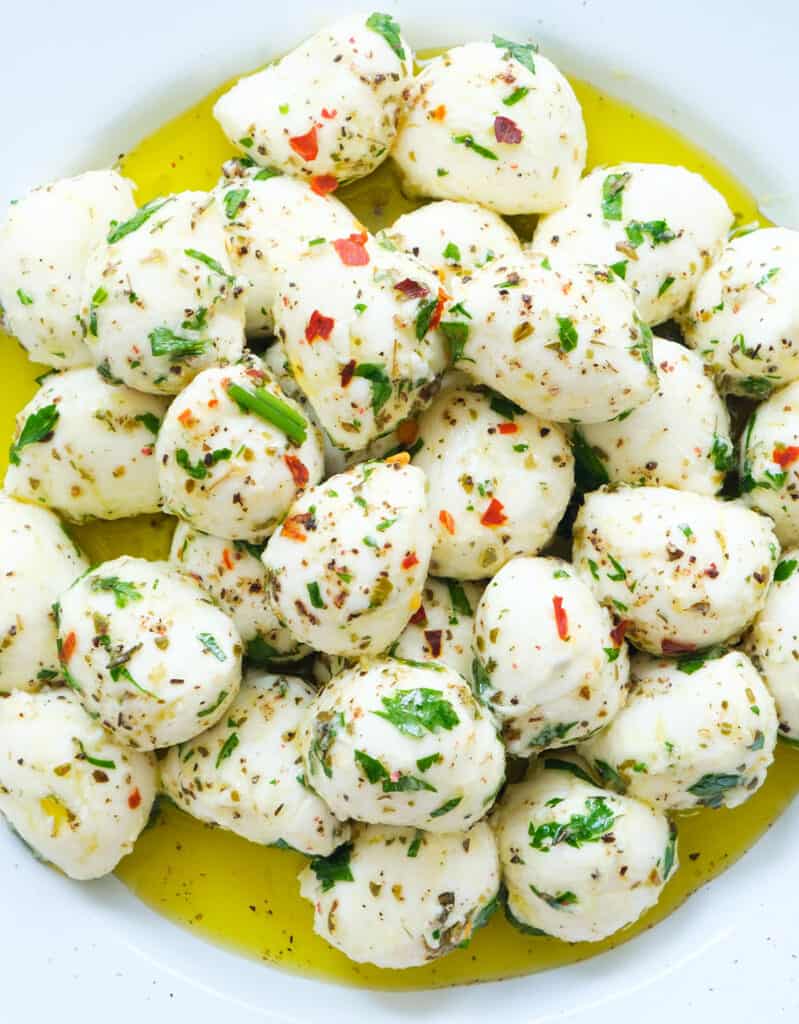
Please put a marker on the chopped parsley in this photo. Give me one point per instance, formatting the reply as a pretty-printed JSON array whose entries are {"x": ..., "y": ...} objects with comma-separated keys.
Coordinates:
[
  {"x": 386, "y": 27},
  {"x": 524, "y": 53},
  {"x": 315, "y": 595},
  {"x": 380, "y": 383},
  {"x": 567, "y": 333},
  {"x": 234, "y": 200},
  {"x": 417, "y": 711},
  {"x": 710, "y": 789},
  {"x": 468, "y": 141},
  {"x": 143, "y": 214},
  {"x": 211, "y": 645},
  {"x": 335, "y": 868},
  {"x": 590, "y": 827},
  {"x": 38, "y": 427},
  {"x": 612, "y": 194},
  {"x": 785, "y": 570},
  {"x": 199, "y": 470},
  {"x": 123, "y": 591}
]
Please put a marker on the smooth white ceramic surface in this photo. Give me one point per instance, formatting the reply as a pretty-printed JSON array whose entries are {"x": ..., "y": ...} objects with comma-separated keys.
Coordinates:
[{"x": 81, "y": 81}]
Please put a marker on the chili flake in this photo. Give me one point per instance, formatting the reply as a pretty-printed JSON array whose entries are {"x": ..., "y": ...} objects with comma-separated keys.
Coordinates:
[
  {"x": 298, "y": 469},
  {"x": 506, "y": 130},
  {"x": 306, "y": 146},
  {"x": 323, "y": 184},
  {"x": 508, "y": 428},
  {"x": 494, "y": 515},
  {"x": 68, "y": 646},
  {"x": 347, "y": 373},
  {"x": 447, "y": 521},
  {"x": 408, "y": 562},
  {"x": 227, "y": 559},
  {"x": 561, "y": 618},
  {"x": 412, "y": 289},
  {"x": 785, "y": 456},
  {"x": 352, "y": 251},
  {"x": 292, "y": 528},
  {"x": 134, "y": 800},
  {"x": 319, "y": 326},
  {"x": 618, "y": 632}
]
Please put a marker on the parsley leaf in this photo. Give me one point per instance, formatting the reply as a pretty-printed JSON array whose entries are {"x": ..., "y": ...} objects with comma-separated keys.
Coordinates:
[
  {"x": 211, "y": 644},
  {"x": 335, "y": 868},
  {"x": 710, "y": 789},
  {"x": 164, "y": 342},
  {"x": 522, "y": 52},
  {"x": 612, "y": 190},
  {"x": 785, "y": 570},
  {"x": 234, "y": 200},
  {"x": 417, "y": 711},
  {"x": 386, "y": 27},
  {"x": 143, "y": 214},
  {"x": 123, "y": 591},
  {"x": 590, "y": 472},
  {"x": 579, "y": 829},
  {"x": 567, "y": 333},
  {"x": 379, "y": 380},
  {"x": 38, "y": 428}
]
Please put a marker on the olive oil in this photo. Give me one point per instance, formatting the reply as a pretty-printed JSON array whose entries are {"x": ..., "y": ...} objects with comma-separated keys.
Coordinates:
[{"x": 246, "y": 897}]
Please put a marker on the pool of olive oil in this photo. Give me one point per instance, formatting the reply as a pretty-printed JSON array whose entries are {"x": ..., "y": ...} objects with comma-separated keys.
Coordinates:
[{"x": 245, "y": 897}]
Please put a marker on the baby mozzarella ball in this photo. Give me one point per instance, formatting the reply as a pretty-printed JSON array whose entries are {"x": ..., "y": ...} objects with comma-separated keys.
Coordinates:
[
  {"x": 45, "y": 242},
  {"x": 495, "y": 124},
  {"x": 389, "y": 741},
  {"x": 86, "y": 448},
  {"x": 245, "y": 773},
  {"x": 401, "y": 897},
  {"x": 549, "y": 662},
  {"x": 76, "y": 797},
  {"x": 328, "y": 110},
  {"x": 679, "y": 438},
  {"x": 346, "y": 569},
  {"x": 234, "y": 452},
  {"x": 150, "y": 655},
  {"x": 743, "y": 318},
  {"x": 579, "y": 862},
  {"x": 562, "y": 340},
  {"x": 681, "y": 571},
  {"x": 694, "y": 733},
  {"x": 659, "y": 227},
  {"x": 37, "y": 562},
  {"x": 441, "y": 628},
  {"x": 160, "y": 302},
  {"x": 499, "y": 481}
]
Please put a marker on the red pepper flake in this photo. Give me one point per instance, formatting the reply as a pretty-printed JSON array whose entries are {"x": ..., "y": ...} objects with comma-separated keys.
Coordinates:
[
  {"x": 785, "y": 456},
  {"x": 352, "y": 251},
  {"x": 447, "y": 521},
  {"x": 561, "y": 618},
  {"x": 306, "y": 146},
  {"x": 669, "y": 646},
  {"x": 409, "y": 561},
  {"x": 712, "y": 571},
  {"x": 419, "y": 617},
  {"x": 255, "y": 373},
  {"x": 412, "y": 289},
  {"x": 147, "y": 450},
  {"x": 506, "y": 130},
  {"x": 508, "y": 428},
  {"x": 494, "y": 515},
  {"x": 348, "y": 373},
  {"x": 433, "y": 638},
  {"x": 618, "y": 632},
  {"x": 298, "y": 469},
  {"x": 227, "y": 559},
  {"x": 439, "y": 113},
  {"x": 435, "y": 319},
  {"x": 134, "y": 800},
  {"x": 68, "y": 646},
  {"x": 292, "y": 528},
  {"x": 324, "y": 184},
  {"x": 319, "y": 326},
  {"x": 186, "y": 417},
  {"x": 328, "y": 115},
  {"x": 213, "y": 403}
]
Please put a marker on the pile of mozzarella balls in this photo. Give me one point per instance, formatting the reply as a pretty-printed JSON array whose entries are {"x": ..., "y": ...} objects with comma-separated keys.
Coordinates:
[{"x": 363, "y": 617}]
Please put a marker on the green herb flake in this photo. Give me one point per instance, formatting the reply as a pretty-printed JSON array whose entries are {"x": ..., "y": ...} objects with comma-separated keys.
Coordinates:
[
  {"x": 722, "y": 453},
  {"x": 524, "y": 53},
  {"x": 416, "y": 844},
  {"x": 785, "y": 570},
  {"x": 567, "y": 333},
  {"x": 96, "y": 761},
  {"x": 590, "y": 472},
  {"x": 417, "y": 711},
  {"x": 213, "y": 264},
  {"x": 213, "y": 707},
  {"x": 271, "y": 409},
  {"x": 425, "y": 763},
  {"x": 150, "y": 421},
  {"x": 164, "y": 342},
  {"x": 452, "y": 252},
  {"x": 710, "y": 789},
  {"x": 468, "y": 141},
  {"x": 386, "y": 27},
  {"x": 620, "y": 269},
  {"x": 665, "y": 285},
  {"x": 612, "y": 195},
  {"x": 424, "y": 317},
  {"x": 199, "y": 470},
  {"x": 234, "y": 200},
  {"x": 24, "y": 298},
  {"x": 143, "y": 214},
  {"x": 557, "y": 902},
  {"x": 456, "y": 334},
  {"x": 610, "y": 777},
  {"x": 333, "y": 869},
  {"x": 123, "y": 591},
  {"x": 458, "y": 600},
  {"x": 380, "y": 383},
  {"x": 590, "y": 827},
  {"x": 211, "y": 645},
  {"x": 559, "y": 765},
  {"x": 516, "y": 96},
  {"x": 445, "y": 808},
  {"x": 38, "y": 428},
  {"x": 228, "y": 747},
  {"x": 315, "y": 595}
]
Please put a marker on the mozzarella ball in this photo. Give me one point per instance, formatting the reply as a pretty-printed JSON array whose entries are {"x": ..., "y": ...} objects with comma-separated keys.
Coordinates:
[
  {"x": 395, "y": 741},
  {"x": 149, "y": 654},
  {"x": 440, "y": 630},
  {"x": 45, "y": 243},
  {"x": 579, "y": 862},
  {"x": 245, "y": 773},
  {"x": 398, "y": 898},
  {"x": 694, "y": 733},
  {"x": 160, "y": 301},
  {"x": 76, "y": 797},
  {"x": 234, "y": 452},
  {"x": 659, "y": 227},
  {"x": 679, "y": 438},
  {"x": 562, "y": 340},
  {"x": 87, "y": 448},
  {"x": 682, "y": 571},
  {"x": 551, "y": 666},
  {"x": 232, "y": 573},
  {"x": 486, "y": 127},
  {"x": 743, "y": 318},
  {"x": 37, "y": 562},
  {"x": 329, "y": 107},
  {"x": 359, "y": 324},
  {"x": 346, "y": 569}
]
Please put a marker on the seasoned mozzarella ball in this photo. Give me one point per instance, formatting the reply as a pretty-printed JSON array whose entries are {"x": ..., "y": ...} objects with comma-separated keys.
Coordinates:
[
  {"x": 76, "y": 797},
  {"x": 346, "y": 569},
  {"x": 398, "y": 898},
  {"x": 695, "y": 732},
  {"x": 550, "y": 664},
  {"x": 440, "y": 629},
  {"x": 329, "y": 109},
  {"x": 245, "y": 774},
  {"x": 150, "y": 655},
  {"x": 45, "y": 243},
  {"x": 495, "y": 124},
  {"x": 499, "y": 481},
  {"x": 681, "y": 571},
  {"x": 579, "y": 862},
  {"x": 160, "y": 301},
  {"x": 744, "y": 316},
  {"x": 37, "y": 562},
  {"x": 679, "y": 438},
  {"x": 232, "y": 572},
  {"x": 234, "y": 452},
  {"x": 87, "y": 448},
  {"x": 658, "y": 226},
  {"x": 359, "y": 324},
  {"x": 393, "y": 741},
  {"x": 563, "y": 340}
]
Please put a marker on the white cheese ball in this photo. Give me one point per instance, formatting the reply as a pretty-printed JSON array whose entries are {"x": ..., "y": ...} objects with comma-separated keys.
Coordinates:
[
  {"x": 440, "y": 629},
  {"x": 580, "y": 863},
  {"x": 76, "y": 797},
  {"x": 232, "y": 573},
  {"x": 743, "y": 318},
  {"x": 660, "y": 227},
  {"x": 682, "y": 571},
  {"x": 37, "y": 562},
  {"x": 359, "y": 324},
  {"x": 390, "y": 741},
  {"x": 87, "y": 448},
  {"x": 551, "y": 667},
  {"x": 346, "y": 569},
  {"x": 399, "y": 898},
  {"x": 679, "y": 438},
  {"x": 227, "y": 468},
  {"x": 45, "y": 244},
  {"x": 694, "y": 733},
  {"x": 485, "y": 128},
  {"x": 245, "y": 774},
  {"x": 499, "y": 481},
  {"x": 562, "y": 340},
  {"x": 329, "y": 107},
  {"x": 148, "y": 652},
  {"x": 160, "y": 301}
]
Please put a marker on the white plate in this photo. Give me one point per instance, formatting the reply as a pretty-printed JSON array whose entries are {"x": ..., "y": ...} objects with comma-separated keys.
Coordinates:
[{"x": 80, "y": 82}]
